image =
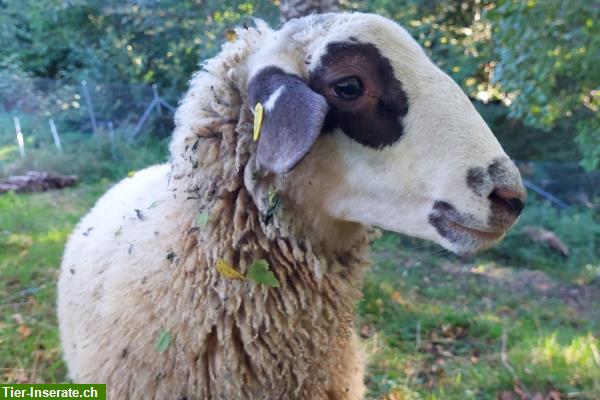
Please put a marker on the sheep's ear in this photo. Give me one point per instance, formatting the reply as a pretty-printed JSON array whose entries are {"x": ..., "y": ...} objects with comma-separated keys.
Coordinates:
[{"x": 292, "y": 118}]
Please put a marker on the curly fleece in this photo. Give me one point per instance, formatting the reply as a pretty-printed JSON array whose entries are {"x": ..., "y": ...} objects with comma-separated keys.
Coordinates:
[{"x": 145, "y": 271}]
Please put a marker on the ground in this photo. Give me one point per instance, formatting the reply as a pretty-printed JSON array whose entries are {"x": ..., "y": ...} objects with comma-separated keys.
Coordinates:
[{"x": 433, "y": 326}]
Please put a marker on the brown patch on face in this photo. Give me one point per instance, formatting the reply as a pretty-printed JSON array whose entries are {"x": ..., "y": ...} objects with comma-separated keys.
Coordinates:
[
  {"x": 478, "y": 180},
  {"x": 375, "y": 117},
  {"x": 497, "y": 182},
  {"x": 455, "y": 227},
  {"x": 438, "y": 218}
]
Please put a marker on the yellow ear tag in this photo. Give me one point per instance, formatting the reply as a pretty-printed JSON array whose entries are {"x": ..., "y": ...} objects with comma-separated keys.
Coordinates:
[
  {"x": 258, "y": 117},
  {"x": 226, "y": 270}
]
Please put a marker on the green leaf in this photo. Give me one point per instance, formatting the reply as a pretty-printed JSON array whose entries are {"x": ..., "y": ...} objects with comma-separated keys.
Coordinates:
[
  {"x": 259, "y": 272},
  {"x": 163, "y": 341},
  {"x": 153, "y": 204},
  {"x": 202, "y": 218},
  {"x": 273, "y": 202}
]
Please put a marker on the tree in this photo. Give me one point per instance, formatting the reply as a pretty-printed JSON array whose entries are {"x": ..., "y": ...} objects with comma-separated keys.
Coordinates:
[{"x": 547, "y": 58}]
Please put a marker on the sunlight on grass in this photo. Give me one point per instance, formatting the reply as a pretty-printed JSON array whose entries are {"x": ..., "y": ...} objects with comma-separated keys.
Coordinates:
[
  {"x": 54, "y": 236},
  {"x": 581, "y": 353},
  {"x": 20, "y": 240},
  {"x": 7, "y": 152},
  {"x": 33, "y": 230}
]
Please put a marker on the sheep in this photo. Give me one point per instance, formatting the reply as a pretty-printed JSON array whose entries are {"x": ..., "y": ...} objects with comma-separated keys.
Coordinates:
[{"x": 355, "y": 127}]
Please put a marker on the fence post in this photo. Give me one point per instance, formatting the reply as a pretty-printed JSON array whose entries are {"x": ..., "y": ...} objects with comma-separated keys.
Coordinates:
[
  {"x": 55, "y": 135},
  {"x": 156, "y": 98},
  {"x": 111, "y": 136},
  {"x": 20, "y": 140},
  {"x": 88, "y": 101},
  {"x": 142, "y": 120}
]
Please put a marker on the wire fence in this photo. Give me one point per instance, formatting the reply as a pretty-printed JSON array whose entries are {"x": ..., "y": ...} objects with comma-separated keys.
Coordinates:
[
  {"x": 43, "y": 113},
  {"x": 43, "y": 107}
]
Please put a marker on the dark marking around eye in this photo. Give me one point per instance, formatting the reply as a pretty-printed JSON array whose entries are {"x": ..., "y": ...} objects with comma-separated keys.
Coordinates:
[
  {"x": 349, "y": 88},
  {"x": 378, "y": 123}
]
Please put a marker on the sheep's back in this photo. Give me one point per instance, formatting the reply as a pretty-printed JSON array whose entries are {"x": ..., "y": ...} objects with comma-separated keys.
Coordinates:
[{"x": 106, "y": 268}]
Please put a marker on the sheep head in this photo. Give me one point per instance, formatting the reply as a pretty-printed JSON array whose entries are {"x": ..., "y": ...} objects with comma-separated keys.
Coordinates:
[{"x": 368, "y": 130}]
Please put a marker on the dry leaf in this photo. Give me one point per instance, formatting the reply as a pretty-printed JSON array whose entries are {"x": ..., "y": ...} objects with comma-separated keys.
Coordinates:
[
  {"x": 230, "y": 35},
  {"x": 226, "y": 270},
  {"x": 16, "y": 376},
  {"x": 24, "y": 331}
]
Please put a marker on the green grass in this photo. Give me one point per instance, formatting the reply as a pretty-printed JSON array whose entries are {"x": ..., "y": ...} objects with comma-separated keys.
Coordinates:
[
  {"x": 33, "y": 231},
  {"x": 89, "y": 157},
  {"x": 432, "y": 324}
]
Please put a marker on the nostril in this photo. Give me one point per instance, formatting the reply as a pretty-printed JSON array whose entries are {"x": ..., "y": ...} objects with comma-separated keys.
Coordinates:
[{"x": 510, "y": 200}]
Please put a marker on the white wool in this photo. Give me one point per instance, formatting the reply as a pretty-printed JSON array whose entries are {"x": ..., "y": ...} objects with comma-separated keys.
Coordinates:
[{"x": 140, "y": 266}]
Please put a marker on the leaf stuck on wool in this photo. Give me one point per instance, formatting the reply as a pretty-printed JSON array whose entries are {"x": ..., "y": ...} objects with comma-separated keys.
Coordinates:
[
  {"x": 163, "y": 341},
  {"x": 259, "y": 273},
  {"x": 202, "y": 218},
  {"x": 226, "y": 270},
  {"x": 258, "y": 118},
  {"x": 230, "y": 36},
  {"x": 273, "y": 202},
  {"x": 153, "y": 204}
]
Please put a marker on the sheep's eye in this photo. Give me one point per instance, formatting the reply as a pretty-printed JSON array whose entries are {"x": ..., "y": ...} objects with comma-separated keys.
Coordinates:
[{"x": 348, "y": 88}]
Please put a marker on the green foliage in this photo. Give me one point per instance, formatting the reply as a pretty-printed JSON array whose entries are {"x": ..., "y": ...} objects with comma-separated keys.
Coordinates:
[
  {"x": 548, "y": 55},
  {"x": 517, "y": 139},
  {"x": 259, "y": 272},
  {"x": 129, "y": 41},
  {"x": 537, "y": 58}
]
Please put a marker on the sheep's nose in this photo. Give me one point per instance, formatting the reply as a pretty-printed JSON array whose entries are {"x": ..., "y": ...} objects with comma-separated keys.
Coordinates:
[
  {"x": 500, "y": 182},
  {"x": 507, "y": 194},
  {"x": 509, "y": 199}
]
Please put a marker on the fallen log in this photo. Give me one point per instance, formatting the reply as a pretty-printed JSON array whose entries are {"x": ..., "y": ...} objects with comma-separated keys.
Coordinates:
[{"x": 36, "y": 181}]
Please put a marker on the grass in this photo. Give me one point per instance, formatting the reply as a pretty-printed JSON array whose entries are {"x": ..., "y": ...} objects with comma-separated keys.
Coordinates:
[
  {"x": 89, "y": 157},
  {"x": 32, "y": 236},
  {"x": 432, "y": 324}
]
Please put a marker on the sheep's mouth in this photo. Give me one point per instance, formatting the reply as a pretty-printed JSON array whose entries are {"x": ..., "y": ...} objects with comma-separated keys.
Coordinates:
[
  {"x": 476, "y": 233},
  {"x": 461, "y": 229}
]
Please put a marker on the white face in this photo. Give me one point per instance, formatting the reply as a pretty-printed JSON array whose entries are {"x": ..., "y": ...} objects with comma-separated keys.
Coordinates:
[{"x": 402, "y": 147}]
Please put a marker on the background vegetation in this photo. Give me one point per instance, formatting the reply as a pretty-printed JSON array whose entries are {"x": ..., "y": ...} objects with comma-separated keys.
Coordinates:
[
  {"x": 534, "y": 63},
  {"x": 516, "y": 322}
]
